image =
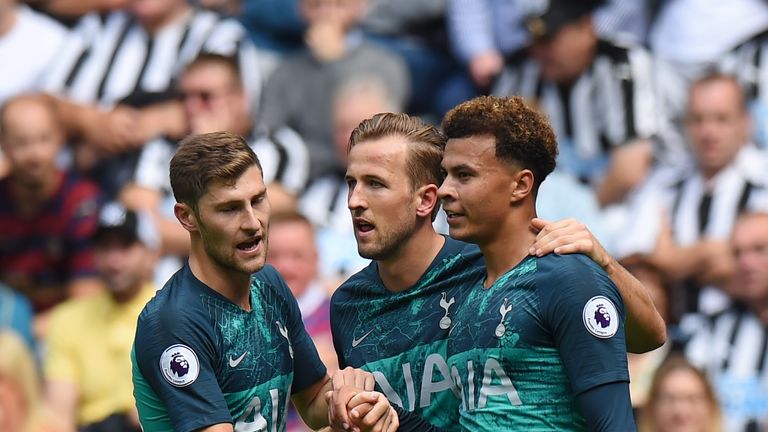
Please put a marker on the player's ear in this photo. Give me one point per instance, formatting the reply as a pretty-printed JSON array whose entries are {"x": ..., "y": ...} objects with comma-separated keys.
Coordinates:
[
  {"x": 427, "y": 200},
  {"x": 186, "y": 216},
  {"x": 521, "y": 186}
]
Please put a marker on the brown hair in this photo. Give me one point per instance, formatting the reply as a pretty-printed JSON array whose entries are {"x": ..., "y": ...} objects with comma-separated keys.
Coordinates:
[
  {"x": 523, "y": 135},
  {"x": 673, "y": 364},
  {"x": 205, "y": 158},
  {"x": 425, "y": 150}
]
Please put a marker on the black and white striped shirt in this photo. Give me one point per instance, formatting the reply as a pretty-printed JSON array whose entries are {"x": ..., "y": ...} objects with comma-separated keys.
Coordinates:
[
  {"x": 613, "y": 102},
  {"x": 108, "y": 59},
  {"x": 732, "y": 348},
  {"x": 283, "y": 155},
  {"x": 697, "y": 209},
  {"x": 748, "y": 63}
]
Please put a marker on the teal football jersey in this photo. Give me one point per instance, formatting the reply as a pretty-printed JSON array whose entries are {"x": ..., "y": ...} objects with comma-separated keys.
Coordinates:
[
  {"x": 199, "y": 359},
  {"x": 402, "y": 337},
  {"x": 525, "y": 347}
]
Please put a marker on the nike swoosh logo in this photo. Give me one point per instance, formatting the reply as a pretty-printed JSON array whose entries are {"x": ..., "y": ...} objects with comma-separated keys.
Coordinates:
[
  {"x": 356, "y": 342},
  {"x": 234, "y": 362}
]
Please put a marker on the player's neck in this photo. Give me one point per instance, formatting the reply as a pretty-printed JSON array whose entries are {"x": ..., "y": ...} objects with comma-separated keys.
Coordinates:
[
  {"x": 508, "y": 247},
  {"x": 233, "y": 285},
  {"x": 403, "y": 270}
]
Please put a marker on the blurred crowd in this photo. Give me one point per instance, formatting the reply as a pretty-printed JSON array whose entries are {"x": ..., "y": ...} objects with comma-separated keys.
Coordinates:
[{"x": 660, "y": 109}]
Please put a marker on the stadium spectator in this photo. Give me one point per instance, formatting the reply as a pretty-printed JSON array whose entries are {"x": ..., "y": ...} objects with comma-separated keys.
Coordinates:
[
  {"x": 599, "y": 94},
  {"x": 683, "y": 216},
  {"x": 114, "y": 77},
  {"x": 21, "y": 404},
  {"x": 88, "y": 345},
  {"x": 293, "y": 252},
  {"x": 681, "y": 399},
  {"x": 300, "y": 92},
  {"x": 213, "y": 100},
  {"x": 732, "y": 346},
  {"x": 47, "y": 215},
  {"x": 416, "y": 31},
  {"x": 24, "y": 31},
  {"x": 483, "y": 32}
]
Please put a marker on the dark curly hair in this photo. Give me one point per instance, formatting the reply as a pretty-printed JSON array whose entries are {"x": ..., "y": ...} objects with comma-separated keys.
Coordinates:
[{"x": 523, "y": 135}]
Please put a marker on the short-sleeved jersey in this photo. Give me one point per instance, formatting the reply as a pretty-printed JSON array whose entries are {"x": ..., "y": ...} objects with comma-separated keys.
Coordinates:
[
  {"x": 401, "y": 337},
  {"x": 200, "y": 360},
  {"x": 524, "y": 348}
]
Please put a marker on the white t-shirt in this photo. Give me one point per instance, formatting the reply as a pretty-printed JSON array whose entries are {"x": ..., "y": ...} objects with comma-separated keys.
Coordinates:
[{"x": 26, "y": 52}]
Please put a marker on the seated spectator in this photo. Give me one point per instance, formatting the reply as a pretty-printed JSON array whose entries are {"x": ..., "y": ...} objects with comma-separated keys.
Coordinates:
[
  {"x": 681, "y": 399},
  {"x": 599, "y": 95},
  {"x": 24, "y": 31},
  {"x": 16, "y": 314},
  {"x": 293, "y": 252},
  {"x": 21, "y": 405},
  {"x": 87, "y": 359},
  {"x": 214, "y": 100},
  {"x": 416, "y": 31},
  {"x": 300, "y": 92},
  {"x": 683, "y": 216},
  {"x": 47, "y": 215},
  {"x": 69, "y": 11},
  {"x": 732, "y": 347},
  {"x": 114, "y": 77}
]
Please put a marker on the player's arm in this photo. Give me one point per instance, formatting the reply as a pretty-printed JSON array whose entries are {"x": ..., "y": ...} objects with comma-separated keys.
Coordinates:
[
  {"x": 587, "y": 325},
  {"x": 221, "y": 427},
  {"x": 604, "y": 407},
  {"x": 645, "y": 329}
]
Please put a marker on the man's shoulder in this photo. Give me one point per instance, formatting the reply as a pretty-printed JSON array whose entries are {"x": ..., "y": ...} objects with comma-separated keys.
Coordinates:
[
  {"x": 79, "y": 310},
  {"x": 554, "y": 267}
]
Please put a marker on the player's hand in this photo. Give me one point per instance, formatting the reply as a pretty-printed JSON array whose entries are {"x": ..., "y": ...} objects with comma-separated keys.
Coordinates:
[
  {"x": 566, "y": 237},
  {"x": 378, "y": 416},
  {"x": 346, "y": 383},
  {"x": 338, "y": 412},
  {"x": 353, "y": 377}
]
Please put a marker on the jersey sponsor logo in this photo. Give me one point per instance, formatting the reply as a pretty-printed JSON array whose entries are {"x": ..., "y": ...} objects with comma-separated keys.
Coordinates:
[
  {"x": 233, "y": 362},
  {"x": 445, "y": 321},
  {"x": 601, "y": 317},
  {"x": 179, "y": 365},
  {"x": 356, "y": 342}
]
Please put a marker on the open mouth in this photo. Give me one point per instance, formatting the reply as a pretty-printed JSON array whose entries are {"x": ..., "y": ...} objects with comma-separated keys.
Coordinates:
[
  {"x": 451, "y": 215},
  {"x": 249, "y": 245},
  {"x": 363, "y": 226}
]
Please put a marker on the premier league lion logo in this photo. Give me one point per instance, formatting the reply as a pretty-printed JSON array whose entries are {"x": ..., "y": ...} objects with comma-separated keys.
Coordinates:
[
  {"x": 179, "y": 365},
  {"x": 600, "y": 317},
  {"x": 603, "y": 317}
]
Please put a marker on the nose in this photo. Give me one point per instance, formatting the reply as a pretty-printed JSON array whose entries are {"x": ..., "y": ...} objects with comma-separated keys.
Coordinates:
[
  {"x": 355, "y": 199},
  {"x": 251, "y": 221},
  {"x": 445, "y": 191}
]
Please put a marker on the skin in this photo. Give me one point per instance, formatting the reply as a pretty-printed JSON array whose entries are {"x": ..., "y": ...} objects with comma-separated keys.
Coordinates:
[
  {"x": 500, "y": 227},
  {"x": 717, "y": 123},
  {"x": 682, "y": 405},
  {"x": 750, "y": 250},
  {"x": 228, "y": 234},
  {"x": 293, "y": 253},
  {"x": 391, "y": 220}
]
